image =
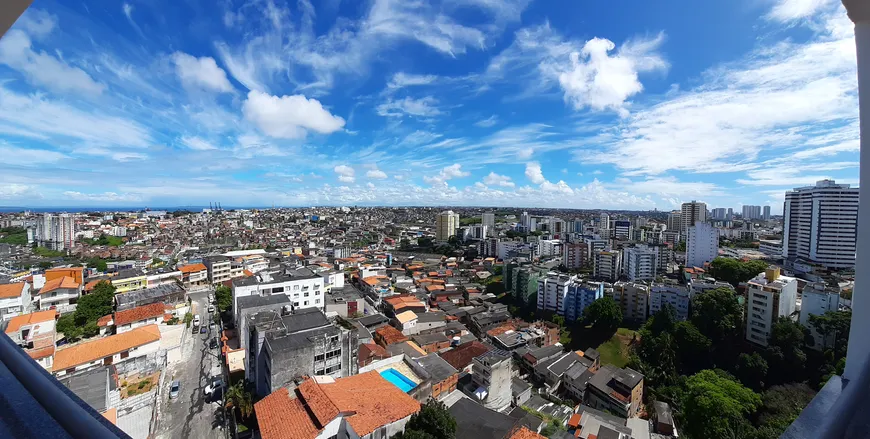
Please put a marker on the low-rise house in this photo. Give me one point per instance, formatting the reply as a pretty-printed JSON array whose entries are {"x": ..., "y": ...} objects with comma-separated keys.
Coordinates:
[
  {"x": 559, "y": 412},
  {"x": 129, "y": 280},
  {"x": 194, "y": 275},
  {"x": 615, "y": 390},
  {"x": 346, "y": 300},
  {"x": 106, "y": 351},
  {"x": 139, "y": 316},
  {"x": 521, "y": 391},
  {"x": 76, "y": 273},
  {"x": 442, "y": 375},
  {"x": 406, "y": 322},
  {"x": 14, "y": 299},
  {"x": 61, "y": 294},
  {"x": 169, "y": 294},
  {"x": 476, "y": 421},
  {"x": 431, "y": 343},
  {"x": 303, "y": 287},
  {"x": 431, "y": 320},
  {"x": 588, "y": 423},
  {"x": 35, "y": 333},
  {"x": 399, "y": 304},
  {"x": 387, "y": 335},
  {"x": 364, "y": 406},
  {"x": 530, "y": 359},
  {"x": 460, "y": 357},
  {"x": 369, "y": 352},
  {"x": 373, "y": 321}
]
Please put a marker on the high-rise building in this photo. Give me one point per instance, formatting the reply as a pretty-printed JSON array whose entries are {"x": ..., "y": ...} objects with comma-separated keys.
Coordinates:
[
  {"x": 575, "y": 255},
  {"x": 691, "y": 213},
  {"x": 769, "y": 297},
  {"x": 730, "y": 215},
  {"x": 606, "y": 265},
  {"x": 526, "y": 221},
  {"x": 56, "y": 232},
  {"x": 751, "y": 212},
  {"x": 567, "y": 295},
  {"x": 488, "y": 221},
  {"x": 820, "y": 224},
  {"x": 817, "y": 299},
  {"x": 640, "y": 262},
  {"x": 622, "y": 229},
  {"x": 446, "y": 224},
  {"x": 720, "y": 213},
  {"x": 677, "y": 296},
  {"x": 604, "y": 224},
  {"x": 702, "y": 244},
  {"x": 633, "y": 298},
  {"x": 765, "y": 214},
  {"x": 674, "y": 221}
]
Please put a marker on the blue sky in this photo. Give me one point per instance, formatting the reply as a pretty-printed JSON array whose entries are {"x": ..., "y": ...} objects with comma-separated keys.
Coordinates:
[{"x": 556, "y": 103}]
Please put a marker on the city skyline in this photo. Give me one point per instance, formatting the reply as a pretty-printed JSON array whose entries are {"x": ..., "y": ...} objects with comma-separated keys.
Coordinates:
[{"x": 496, "y": 103}]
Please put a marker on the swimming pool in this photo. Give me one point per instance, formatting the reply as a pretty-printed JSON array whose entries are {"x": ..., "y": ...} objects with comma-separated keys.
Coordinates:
[{"x": 397, "y": 379}]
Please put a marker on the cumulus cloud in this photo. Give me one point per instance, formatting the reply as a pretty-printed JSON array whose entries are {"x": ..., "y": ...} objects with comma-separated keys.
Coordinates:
[
  {"x": 446, "y": 173},
  {"x": 289, "y": 117},
  {"x": 533, "y": 173},
  {"x": 376, "y": 174},
  {"x": 201, "y": 72},
  {"x": 494, "y": 179},
  {"x": 346, "y": 174}
]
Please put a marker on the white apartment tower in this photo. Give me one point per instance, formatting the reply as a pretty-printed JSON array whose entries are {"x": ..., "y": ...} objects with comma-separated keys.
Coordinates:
[
  {"x": 488, "y": 220},
  {"x": 56, "y": 232},
  {"x": 820, "y": 224},
  {"x": 702, "y": 244},
  {"x": 751, "y": 212},
  {"x": 640, "y": 262},
  {"x": 674, "y": 221},
  {"x": 691, "y": 213},
  {"x": 765, "y": 215},
  {"x": 606, "y": 265},
  {"x": 769, "y": 297},
  {"x": 445, "y": 225}
]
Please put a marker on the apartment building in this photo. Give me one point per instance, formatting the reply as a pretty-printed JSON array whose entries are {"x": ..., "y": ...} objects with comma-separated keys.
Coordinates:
[
  {"x": 525, "y": 282},
  {"x": 129, "y": 280},
  {"x": 575, "y": 255},
  {"x": 219, "y": 268},
  {"x": 61, "y": 294},
  {"x": 302, "y": 286},
  {"x": 446, "y": 224},
  {"x": 820, "y": 224},
  {"x": 640, "y": 262},
  {"x": 491, "y": 376},
  {"x": 769, "y": 297},
  {"x": 194, "y": 275},
  {"x": 606, "y": 265},
  {"x": 702, "y": 244},
  {"x": 56, "y": 232},
  {"x": 691, "y": 213},
  {"x": 817, "y": 299},
  {"x": 14, "y": 300},
  {"x": 488, "y": 220},
  {"x": 622, "y": 229},
  {"x": 677, "y": 296},
  {"x": 633, "y": 298},
  {"x": 615, "y": 390}
]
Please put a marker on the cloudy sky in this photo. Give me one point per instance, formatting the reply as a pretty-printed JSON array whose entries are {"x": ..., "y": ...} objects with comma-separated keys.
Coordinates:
[{"x": 554, "y": 103}]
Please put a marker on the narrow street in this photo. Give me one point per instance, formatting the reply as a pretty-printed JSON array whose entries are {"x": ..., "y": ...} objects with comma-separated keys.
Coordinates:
[{"x": 190, "y": 415}]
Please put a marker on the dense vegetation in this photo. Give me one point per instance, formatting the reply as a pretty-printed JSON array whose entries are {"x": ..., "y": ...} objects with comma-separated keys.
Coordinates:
[
  {"x": 734, "y": 271},
  {"x": 13, "y": 235},
  {"x": 112, "y": 241},
  {"x": 433, "y": 421},
  {"x": 722, "y": 387},
  {"x": 83, "y": 322}
]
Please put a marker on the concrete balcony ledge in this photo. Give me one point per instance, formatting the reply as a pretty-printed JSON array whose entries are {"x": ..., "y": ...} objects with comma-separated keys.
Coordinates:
[{"x": 833, "y": 413}]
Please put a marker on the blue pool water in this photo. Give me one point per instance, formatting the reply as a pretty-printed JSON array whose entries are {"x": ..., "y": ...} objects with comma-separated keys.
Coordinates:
[{"x": 397, "y": 379}]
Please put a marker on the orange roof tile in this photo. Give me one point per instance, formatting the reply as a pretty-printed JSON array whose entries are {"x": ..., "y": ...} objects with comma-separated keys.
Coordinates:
[
  {"x": 574, "y": 421},
  {"x": 15, "y": 323},
  {"x": 8, "y": 291},
  {"x": 104, "y": 320},
  {"x": 41, "y": 353},
  {"x": 61, "y": 282},
  {"x": 104, "y": 347},
  {"x": 280, "y": 417},
  {"x": 139, "y": 313},
  {"x": 112, "y": 415},
  {"x": 390, "y": 335},
  {"x": 192, "y": 268},
  {"x": 374, "y": 280},
  {"x": 524, "y": 433},
  {"x": 323, "y": 409}
]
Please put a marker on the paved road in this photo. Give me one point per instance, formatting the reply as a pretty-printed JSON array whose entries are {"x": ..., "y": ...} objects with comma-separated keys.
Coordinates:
[{"x": 190, "y": 415}]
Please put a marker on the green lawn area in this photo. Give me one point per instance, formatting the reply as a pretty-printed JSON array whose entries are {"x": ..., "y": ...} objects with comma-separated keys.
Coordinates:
[{"x": 615, "y": 350}]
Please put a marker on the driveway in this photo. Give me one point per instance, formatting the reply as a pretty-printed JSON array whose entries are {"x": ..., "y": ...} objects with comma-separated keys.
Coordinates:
[{"x": 190, "y": 415}]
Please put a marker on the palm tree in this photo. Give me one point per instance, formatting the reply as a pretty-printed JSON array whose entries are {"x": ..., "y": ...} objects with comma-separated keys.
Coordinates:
[{"x": 241, "y": 399}]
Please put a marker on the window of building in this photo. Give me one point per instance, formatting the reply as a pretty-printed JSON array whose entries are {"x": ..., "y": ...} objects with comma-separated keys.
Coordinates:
[
  {"x": 317, "y": 301},
  {"x": 125, "y": 354},
  {"x": 306, "y": 294},
  {"x": 296, "y": 287},
  {"x": 306, "y": 303}
]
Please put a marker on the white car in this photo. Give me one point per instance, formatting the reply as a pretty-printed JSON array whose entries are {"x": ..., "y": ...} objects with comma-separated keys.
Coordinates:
[
  {"x": 196, "y": 320},
  {"x": 211, "y": 309},
  {"x": 215, "y": 383}
]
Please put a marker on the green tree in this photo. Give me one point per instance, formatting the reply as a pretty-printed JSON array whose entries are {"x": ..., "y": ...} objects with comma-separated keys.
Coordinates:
[
  {"x": 785, "y": 351},
  {"x": 241, "y": 399},
  {"x": 716, "y": 406},
  {"x": 780, "y": 406},
  {"x": 718, "y": 315},
  {"x": 751, "y": 370},
  {"x": 66, "y": 325},
  {"x": 97, "y": 304},
  {"x": 98, "y": 263},
  {"x": 603, "y": 314},
  {"x": 432, "y": 421},
  {"x": 224, "y": 296},
  {"x": 734, "y": 271},
  {"x": 692, "y": 348},
  {"x": 833, "y": 329}
]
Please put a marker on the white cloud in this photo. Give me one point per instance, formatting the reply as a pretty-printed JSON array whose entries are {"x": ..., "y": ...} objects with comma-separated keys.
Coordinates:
[
  {"x": 345, "y": 173},
  {"x": 402, "y": 79},
  {"x": 423, "y": 107},
  {"x": 289, "y": 117},
  {"x": 488, "y": 122},
  {"x": 18, "y": 191},
  {"x": 534, "y": 173},
  {"x": 201, "y": 72},
  {"x": 13, "y": 155},
  {"x": 43, "y": 69},
  {"x": 399, "y": 177},
  {"x": 105, "y": 196},
  {"x": 197, "y": 143},
  {"x": 446, "y": 173},
  {"x": 560, "y": 187},
  {"x": 36, "y": 22},
  {"x": 601, "y": 81},
  {"x": 791, "y": 10},
  {"x": 376, "y": 174},
  {"x": 494, "y": 179},
  {"x": 401, "y": 19}
]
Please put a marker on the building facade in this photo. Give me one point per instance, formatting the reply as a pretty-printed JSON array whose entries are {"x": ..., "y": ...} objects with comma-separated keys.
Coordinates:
[
  {"x": 769, "y": 297},
  {"x": 691, "y": 213},
  {"x": 607, "y": 265},
  {"x": 702, "y": 244},
  {"x": 640, "y": 262},
  {"x": 820, "y": 224},
  {"x": 446, "y": 224}
]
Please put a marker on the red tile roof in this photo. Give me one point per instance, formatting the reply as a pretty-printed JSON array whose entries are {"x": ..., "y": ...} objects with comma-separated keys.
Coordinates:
[
  {"x": 9, "y": 291},
  {"x": 367, "y": 401},
  {"x": 36, "y": 354},
  {"x": 461, "y": 356},
  {"x": 139, "y": 313},
  {"x": 15, "y": 323},
  {"x": 104, "y": 347},
  {"x": 390, "y": 335},
  {"x": 523, "y": 433},
  {"x": 61, "y": 282},
  {"x": 192, "y": 268}
]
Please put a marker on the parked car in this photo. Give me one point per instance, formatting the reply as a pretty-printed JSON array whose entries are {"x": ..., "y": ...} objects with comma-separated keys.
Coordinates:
[
  {"x": 203, "y": 330},
  {"x": 213, "y": 343},
  {"x": 211, "y": 326},
  {"x": 211, "y": 309},
  {"x": 196, "y": 320},
  {"x": 210, "y": 298},
  {"x": 216, "y": 382},
  {"x": 174, "y": 388}
]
